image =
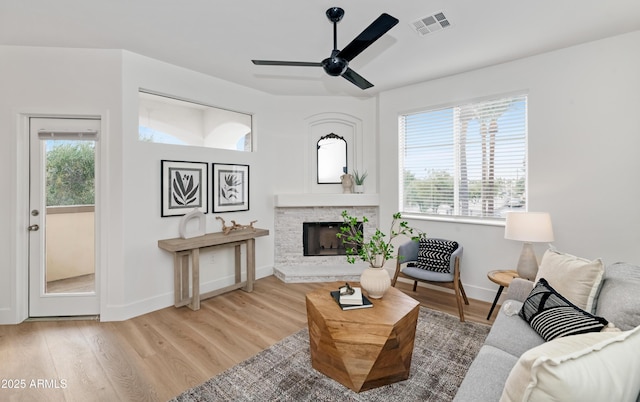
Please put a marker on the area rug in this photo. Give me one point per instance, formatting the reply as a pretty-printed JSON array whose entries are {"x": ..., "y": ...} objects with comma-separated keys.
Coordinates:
[{"x": 443, "y": 350}]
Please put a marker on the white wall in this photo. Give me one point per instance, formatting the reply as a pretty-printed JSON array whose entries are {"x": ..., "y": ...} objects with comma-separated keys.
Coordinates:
[
  {"x": 279, "y": 127},
  {"x": 47, "y": 81},
  {"x": 583, "y": 165},
  {"x": 584, "y": 137},
  {"x": 292, "y": 145},
  {"x": 137, "y": 277}
]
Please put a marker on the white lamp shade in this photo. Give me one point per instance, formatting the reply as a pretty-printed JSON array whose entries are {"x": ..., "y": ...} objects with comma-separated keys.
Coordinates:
[{"x": 531, "y": 227}]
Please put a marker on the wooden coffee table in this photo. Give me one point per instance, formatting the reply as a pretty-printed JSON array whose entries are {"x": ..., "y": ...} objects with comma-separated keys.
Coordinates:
[{"x": 364, "y": 348}]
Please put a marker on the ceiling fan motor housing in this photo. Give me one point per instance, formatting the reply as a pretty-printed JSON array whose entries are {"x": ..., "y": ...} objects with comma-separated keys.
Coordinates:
[{"x": 335, "y": 66}]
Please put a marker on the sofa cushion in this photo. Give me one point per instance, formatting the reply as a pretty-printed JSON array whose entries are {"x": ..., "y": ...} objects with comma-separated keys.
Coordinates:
[
  {"x": 602, "y": 366},
  {"x": 575, "y": 278},
  {"x": 435, "y": 254},
  {"x": 553, "y": 316},
  {"x": 519, "y": 289},
  {"x": 486, "y": 376},
  {"x": 618, "y": 301},
  {"x": 511, "y": 333}
]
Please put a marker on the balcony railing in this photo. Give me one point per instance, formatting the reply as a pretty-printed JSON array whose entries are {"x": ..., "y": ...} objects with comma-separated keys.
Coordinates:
[{"x": 70, "y": 241}]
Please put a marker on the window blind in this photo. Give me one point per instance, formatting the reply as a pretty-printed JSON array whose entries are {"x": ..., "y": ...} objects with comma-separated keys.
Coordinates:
[
  {"x": 74, "y": 135},
  {"x": 467, "y": 160}
]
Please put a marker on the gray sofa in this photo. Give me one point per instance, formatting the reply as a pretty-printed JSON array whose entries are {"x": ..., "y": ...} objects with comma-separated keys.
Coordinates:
[{"x": 618, "y": 301}]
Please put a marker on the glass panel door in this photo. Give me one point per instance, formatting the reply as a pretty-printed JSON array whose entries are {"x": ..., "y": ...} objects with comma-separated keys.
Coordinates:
[{"x": 62, "y": 243}]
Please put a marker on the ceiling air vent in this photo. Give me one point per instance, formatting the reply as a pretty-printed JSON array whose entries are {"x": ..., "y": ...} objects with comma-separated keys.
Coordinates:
[{"x": 431, "y": 23}]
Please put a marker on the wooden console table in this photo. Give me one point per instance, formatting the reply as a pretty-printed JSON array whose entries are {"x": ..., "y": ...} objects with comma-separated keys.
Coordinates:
[{"x": 189, "y": 249}]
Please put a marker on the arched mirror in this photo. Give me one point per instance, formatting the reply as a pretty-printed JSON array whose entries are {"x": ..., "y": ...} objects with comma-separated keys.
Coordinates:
[{"x": 332, "y": 158}]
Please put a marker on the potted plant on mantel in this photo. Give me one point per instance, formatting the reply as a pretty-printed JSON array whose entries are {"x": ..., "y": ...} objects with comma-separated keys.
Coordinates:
[
  {"x": 375, "y": 251},
  {"x": 358, "y": 179}
]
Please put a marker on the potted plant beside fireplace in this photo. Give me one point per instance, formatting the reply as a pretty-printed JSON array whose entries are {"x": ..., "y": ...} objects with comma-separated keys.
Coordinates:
[
  {"x": 375, "y": 250},
  {"x": 358, "y": 178}
]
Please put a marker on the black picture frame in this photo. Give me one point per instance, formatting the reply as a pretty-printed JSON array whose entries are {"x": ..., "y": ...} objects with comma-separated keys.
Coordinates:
[
  {"x": 230, "y": 183},
  {"x": 184, "y": 186}
]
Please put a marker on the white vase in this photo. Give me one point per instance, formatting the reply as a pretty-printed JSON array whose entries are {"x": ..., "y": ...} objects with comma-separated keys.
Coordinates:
[
  {"x": 347, "y": 183},
  {"x": 375, "y": 281},
  {"x": 186, "y": 230},
  {"x": 358, "y": 188}
]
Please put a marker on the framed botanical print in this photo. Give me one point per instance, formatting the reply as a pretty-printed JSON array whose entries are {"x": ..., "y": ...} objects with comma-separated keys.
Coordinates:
[
  {"x": 184, "y": 187},
  {"x": 230, "y": 187}
]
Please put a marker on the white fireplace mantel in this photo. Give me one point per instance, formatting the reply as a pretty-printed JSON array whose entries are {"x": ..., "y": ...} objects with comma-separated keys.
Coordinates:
[{"x": 326, "y": 200}]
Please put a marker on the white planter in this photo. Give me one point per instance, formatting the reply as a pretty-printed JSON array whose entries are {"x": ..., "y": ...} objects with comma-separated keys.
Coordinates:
[
  {"x": 358, "y": 188},
  {"x": 375, "y": 281}
]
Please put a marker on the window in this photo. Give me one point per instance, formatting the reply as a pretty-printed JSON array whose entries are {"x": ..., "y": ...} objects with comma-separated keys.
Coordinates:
[
  {"x": 70, "y": 172},
  {"x": 168, "y": 120},
  {"x": 465, "y": 161}
]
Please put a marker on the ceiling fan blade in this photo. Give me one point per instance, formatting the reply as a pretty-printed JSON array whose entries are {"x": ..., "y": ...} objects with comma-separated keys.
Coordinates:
[
  {"x": 356, "y": 79},
  {"x": 286, "y": 63},
  {"x": 371, "y": 34}
]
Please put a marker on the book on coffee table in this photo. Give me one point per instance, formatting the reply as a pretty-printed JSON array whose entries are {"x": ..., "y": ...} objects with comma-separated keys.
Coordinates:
[
  {"x": 353, "y": 298},
  {"x": 366, "y": 303}
]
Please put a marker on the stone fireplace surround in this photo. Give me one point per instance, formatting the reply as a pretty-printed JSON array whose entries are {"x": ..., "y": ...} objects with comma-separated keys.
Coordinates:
[{"x": 292, "y": 210}]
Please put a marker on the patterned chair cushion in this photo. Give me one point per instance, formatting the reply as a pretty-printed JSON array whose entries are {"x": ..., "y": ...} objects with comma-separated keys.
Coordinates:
[{"x": 435, "y": 254}]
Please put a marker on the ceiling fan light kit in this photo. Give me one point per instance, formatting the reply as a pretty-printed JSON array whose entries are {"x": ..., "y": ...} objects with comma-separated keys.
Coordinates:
[{"x": 338, "y": 63}]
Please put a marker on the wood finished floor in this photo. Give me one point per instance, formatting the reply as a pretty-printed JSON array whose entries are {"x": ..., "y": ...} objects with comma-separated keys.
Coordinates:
[
  {"x": 76, "y": 284},
  {"x": 159, "y": 355}
]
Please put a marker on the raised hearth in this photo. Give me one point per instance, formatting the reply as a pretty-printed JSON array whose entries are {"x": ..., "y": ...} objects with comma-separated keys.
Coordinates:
[{"x": 323, "y": 273}]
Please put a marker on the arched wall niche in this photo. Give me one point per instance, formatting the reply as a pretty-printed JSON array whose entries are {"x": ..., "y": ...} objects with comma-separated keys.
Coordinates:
[{"x": 344, "y": 125}]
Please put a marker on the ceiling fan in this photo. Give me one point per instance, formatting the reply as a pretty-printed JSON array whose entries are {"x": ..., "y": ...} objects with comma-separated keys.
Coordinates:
[{"x": 338, "y": 63}]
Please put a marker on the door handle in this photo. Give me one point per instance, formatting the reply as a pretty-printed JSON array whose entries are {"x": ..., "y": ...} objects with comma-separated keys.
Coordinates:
[{"x": 33, "y": 228}]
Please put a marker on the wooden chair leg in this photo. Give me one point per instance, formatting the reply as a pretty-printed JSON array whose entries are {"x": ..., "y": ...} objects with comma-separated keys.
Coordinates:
[
  {"x": 464, "y": 295},
  {"x": 394, "y": 280},
  {"x": 456, "y": 288},
  {"x": 460, "y": 309},
  {"x": 415, "y": 285}
]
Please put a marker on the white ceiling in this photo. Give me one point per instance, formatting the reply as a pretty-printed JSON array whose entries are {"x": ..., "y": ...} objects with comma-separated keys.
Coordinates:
[{"x": 220, "y": 37}]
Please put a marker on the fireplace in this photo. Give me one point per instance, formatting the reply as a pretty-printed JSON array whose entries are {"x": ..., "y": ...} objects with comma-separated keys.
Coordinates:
[
  {"x": 319, "y": 239},
  {"x": 291, "y": 265}
]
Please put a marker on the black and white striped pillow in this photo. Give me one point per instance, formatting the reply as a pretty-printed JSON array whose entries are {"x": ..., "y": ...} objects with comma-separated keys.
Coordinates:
[
  {"x": 435, "y": 254},
  {"x": 553, "y": 316}
]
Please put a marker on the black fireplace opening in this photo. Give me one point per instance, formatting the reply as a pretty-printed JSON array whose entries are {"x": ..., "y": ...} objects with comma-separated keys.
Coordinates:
[{"x": 319, "y": 238}]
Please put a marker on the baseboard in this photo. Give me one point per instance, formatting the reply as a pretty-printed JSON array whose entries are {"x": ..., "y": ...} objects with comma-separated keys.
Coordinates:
[
  {"x": 473, "y": 292},
  {"x": 127, "y": 311},
  {"x": 158, "y": 302},
  {"x": 8, "y": 316}
]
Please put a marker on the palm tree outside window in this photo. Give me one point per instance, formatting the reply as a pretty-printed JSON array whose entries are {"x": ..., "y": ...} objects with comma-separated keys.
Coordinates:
[{"x": 467, "y": 160}]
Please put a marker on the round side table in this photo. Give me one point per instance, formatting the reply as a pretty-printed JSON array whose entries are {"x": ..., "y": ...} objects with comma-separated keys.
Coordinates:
[{"x": 502, "y": 278}]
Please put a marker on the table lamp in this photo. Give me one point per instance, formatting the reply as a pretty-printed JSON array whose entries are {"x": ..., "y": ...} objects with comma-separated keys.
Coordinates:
[{"x": 528, "y": 227}]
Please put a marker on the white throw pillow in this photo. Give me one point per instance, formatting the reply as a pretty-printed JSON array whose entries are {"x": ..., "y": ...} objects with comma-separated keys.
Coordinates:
[
  {"x": 598, "y": 366},
  {"x": 575, "y": 278}
]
